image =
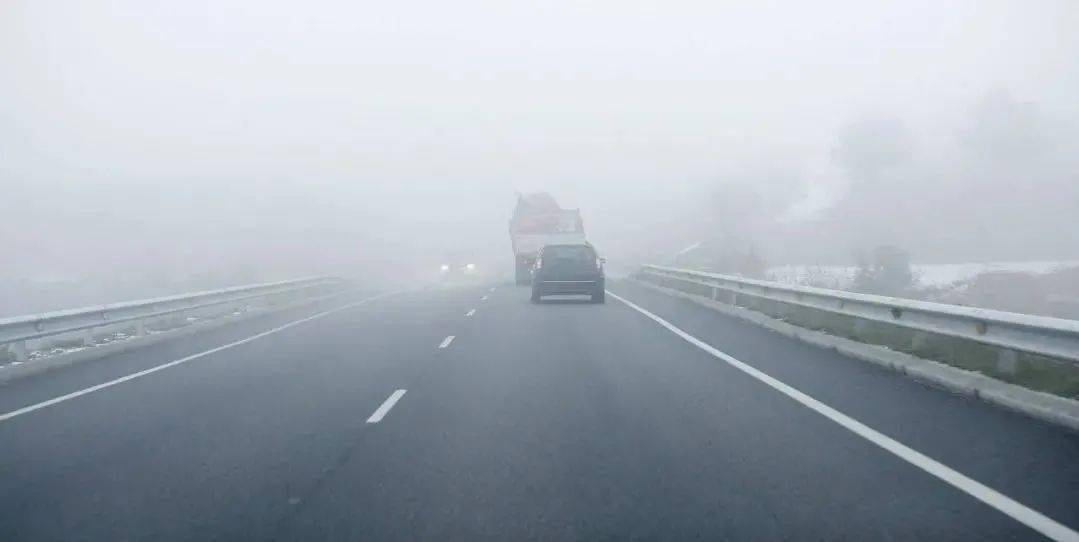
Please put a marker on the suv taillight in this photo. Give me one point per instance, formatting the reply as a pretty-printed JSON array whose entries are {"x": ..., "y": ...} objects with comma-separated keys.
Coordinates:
[{"x": 539, "y": 264}]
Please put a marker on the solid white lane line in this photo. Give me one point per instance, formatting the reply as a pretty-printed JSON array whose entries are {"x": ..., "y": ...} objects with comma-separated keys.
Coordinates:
[
  {"x": 386, "y": 406},
  {"x": 446, "y": 342},
  {"x": 1027, "y": 516},
  {"x": 471, "y": 312},
  {"x": 28, "y": 409}
]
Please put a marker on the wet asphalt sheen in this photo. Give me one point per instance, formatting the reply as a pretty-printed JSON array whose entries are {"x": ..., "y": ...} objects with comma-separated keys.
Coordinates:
[{"x": 438, "y": 414}]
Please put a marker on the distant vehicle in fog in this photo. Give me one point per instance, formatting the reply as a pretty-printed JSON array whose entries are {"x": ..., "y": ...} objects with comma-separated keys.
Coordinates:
[
  {"x": 568, "y": 269},
  {"x": 538, "y": 221},
  {"x": 458, "y": 266}
]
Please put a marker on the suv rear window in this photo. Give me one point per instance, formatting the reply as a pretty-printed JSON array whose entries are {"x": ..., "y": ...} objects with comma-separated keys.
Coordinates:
[{"x": 574, "y": 253}]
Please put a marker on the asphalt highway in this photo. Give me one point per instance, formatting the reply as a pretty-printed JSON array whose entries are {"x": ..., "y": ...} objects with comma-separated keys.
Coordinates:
[{"x": 467, "y": 412}]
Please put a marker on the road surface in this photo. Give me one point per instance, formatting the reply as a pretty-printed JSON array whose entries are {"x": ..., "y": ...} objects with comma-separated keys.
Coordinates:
[{"x": 470, "y": 413}]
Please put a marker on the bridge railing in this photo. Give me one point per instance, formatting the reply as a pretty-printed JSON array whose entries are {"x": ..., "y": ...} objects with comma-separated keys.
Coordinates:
[
  {"x": 21, "y": 335},
  {"x": 998, "y": 343}
]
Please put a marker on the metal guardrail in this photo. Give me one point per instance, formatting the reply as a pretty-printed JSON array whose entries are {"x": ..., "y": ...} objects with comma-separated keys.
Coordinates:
[
  {"x": 1041, "y": 335},
  {"x": 16, "y": 332}
]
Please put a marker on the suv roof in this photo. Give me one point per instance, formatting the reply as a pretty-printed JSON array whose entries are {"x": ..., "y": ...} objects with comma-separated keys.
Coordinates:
[{"x": 586, "y": 245}]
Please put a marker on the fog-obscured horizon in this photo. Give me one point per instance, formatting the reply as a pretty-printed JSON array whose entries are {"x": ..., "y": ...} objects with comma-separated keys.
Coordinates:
[{"x": 272, "y": 139}]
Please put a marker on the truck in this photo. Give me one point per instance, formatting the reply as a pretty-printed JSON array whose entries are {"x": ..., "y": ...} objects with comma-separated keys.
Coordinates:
[{"x": 538, "y": 221}]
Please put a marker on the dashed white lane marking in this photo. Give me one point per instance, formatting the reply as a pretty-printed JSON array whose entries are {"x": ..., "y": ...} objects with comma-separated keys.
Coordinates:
[
  {"x": 446, "y": 342},
  {"x": 491, "y": 290},
  {"x": 28, "y": 409},
  {"x": 484, "y": 298},
  {"x": 1027, "y": 516},
  {"x": 386, "y": 406},
  {"x": 471, "y": 312}
]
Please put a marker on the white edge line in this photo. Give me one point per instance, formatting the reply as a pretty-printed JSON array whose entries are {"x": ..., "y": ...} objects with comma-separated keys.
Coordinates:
[
  {"x": 471, "y": 312},
  {"x": 446, "y": 342},
  {"x": 386, "y": 406},
  {"x": 1006, "y": 505},
  {"x": 38, "y": 406}
]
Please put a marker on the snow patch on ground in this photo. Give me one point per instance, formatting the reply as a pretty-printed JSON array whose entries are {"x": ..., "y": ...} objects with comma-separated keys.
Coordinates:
[{"x": 927, "y": 275}]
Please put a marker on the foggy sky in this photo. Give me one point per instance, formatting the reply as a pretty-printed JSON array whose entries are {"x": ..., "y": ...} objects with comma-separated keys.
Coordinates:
[{"x": 318, "y": 136}]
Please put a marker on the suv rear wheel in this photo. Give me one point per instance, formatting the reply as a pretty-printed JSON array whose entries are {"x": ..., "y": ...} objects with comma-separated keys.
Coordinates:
[{"x": 599, "y": 296}]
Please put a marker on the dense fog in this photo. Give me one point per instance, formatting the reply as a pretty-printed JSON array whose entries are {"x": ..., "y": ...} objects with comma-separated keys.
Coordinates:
[{"x": 154, "y": 146}]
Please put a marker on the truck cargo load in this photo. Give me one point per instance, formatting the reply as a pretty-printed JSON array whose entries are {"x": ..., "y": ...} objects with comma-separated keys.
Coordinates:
[{"x": 537, "y": 221}]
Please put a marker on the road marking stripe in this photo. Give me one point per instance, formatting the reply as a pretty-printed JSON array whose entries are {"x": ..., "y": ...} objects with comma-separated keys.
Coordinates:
[
  {"x": 471, "y": 312},
  {"x": 484, "y": 298},
  {"x": 446, "y": 342},
  {"x": 492, "y": 289},
  {"x": 386, "y": 406},
  {"x": 1017, "y": 511},
  {"x": 28, "y": 409}
]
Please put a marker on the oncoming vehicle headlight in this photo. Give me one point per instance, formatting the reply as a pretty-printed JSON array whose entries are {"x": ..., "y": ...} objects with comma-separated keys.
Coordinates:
[
  {"x": 445, "y": 267},
  {"x": 470, "y": 266}
]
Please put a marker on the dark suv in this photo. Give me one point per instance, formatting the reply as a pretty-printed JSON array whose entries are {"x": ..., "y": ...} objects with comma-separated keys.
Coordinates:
[{"x": 568, "y": 270}]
